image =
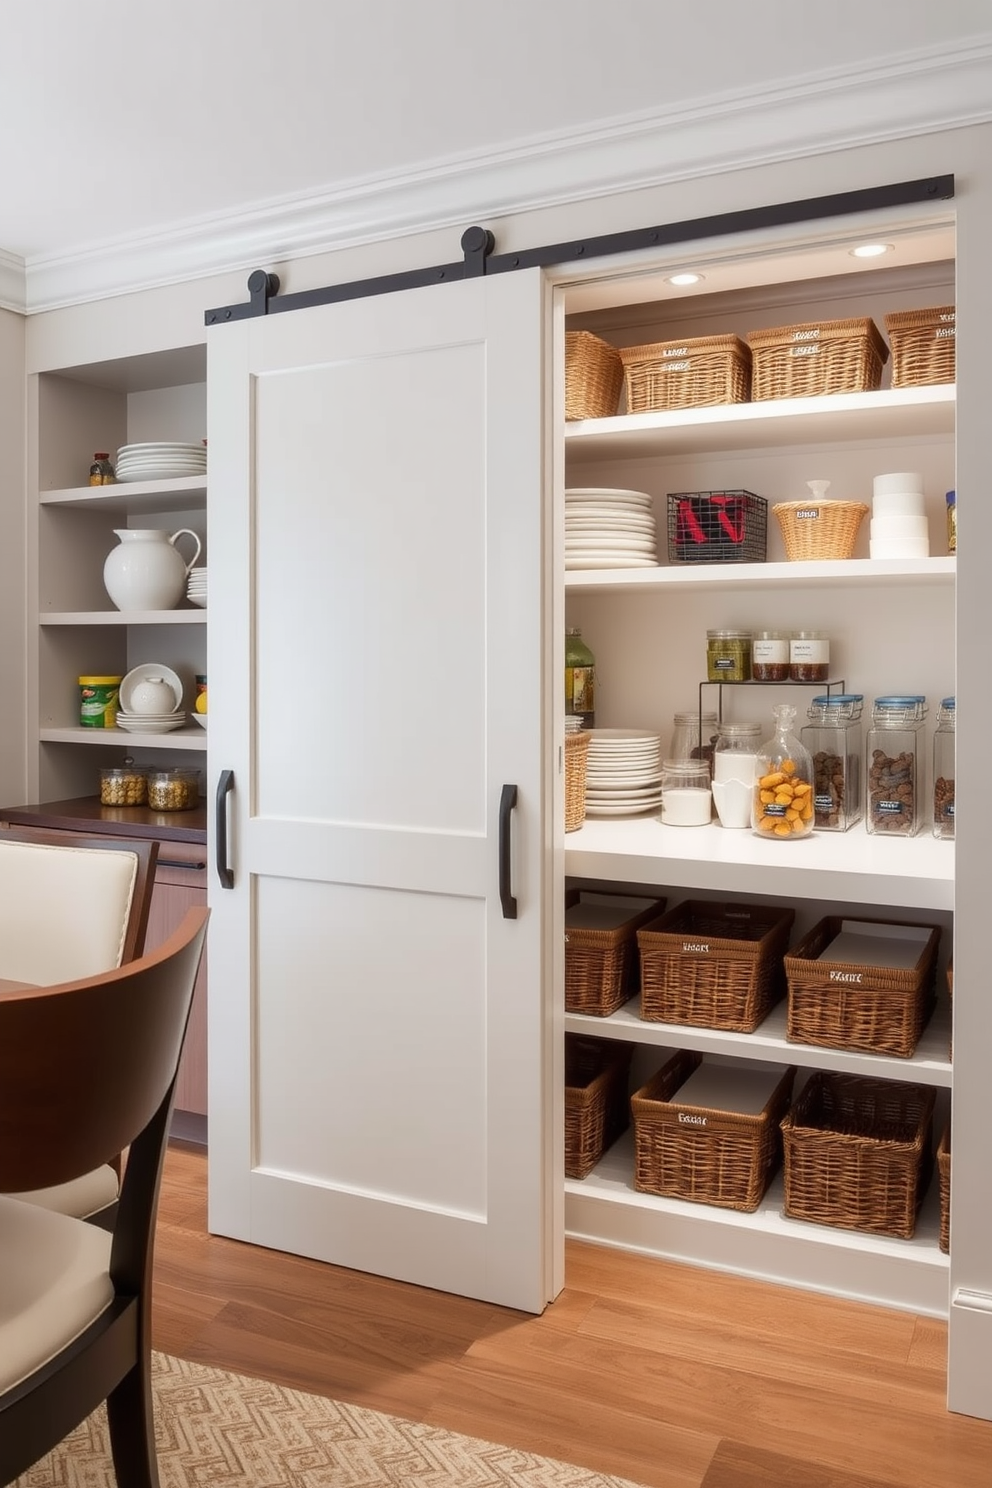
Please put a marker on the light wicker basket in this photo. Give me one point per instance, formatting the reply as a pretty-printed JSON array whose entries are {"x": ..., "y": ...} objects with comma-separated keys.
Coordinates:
[
  {"x": 857, "y": 1153},
  {"x": 874, "y": 1009},
  {"x": 597, "y": 1107},
  {"x": 576, "y": 755},
  {"x": 944, "y": 1184},
  {"x": 726, "y": 1158},
  {"x": 601, "y": 964},
  {"x": 817, "y": 357},
  {"x": 713, "y": 965},
  {"x": 923, "y": 346},
  {"x": 593, "y": 376},
  {"x": 693, "y": 373},
  {"x": 817, "y": 529}
]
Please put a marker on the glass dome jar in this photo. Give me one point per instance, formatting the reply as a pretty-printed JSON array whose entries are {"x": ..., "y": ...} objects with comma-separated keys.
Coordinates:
[
  {"x": 685, "y": 793},
  {"x": 833, "y": 738},
  {"x": 894, "y": 769},
  {"x": 943, "y": 770},
  {"x": 782, "y": 796}
]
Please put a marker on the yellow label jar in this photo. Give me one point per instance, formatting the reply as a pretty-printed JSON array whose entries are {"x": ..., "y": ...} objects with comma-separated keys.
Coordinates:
[{"x": 98, "y": 701}]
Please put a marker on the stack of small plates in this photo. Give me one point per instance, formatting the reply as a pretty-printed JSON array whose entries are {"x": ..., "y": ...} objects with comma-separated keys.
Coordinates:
[
  {"x": 606, "y": 528},
  {"x": 196, "y": 587},
  {"x": 160, "y": 461},
  {"x": 623, "y": 772}
]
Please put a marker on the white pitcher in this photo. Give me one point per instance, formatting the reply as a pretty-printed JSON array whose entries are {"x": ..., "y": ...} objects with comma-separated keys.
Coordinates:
[{"x": 146, "y": 571}]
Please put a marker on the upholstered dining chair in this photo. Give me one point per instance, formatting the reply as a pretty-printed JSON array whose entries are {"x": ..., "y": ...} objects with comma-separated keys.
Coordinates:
[
  {"x": 87, "y": 1068},
  {"x": 71, "y": 907}
]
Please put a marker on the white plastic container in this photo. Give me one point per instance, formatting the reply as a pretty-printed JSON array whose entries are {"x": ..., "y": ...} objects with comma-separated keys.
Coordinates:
[
  {"x": 899, "y": 481},
  {"x": 899, "y": 504}
]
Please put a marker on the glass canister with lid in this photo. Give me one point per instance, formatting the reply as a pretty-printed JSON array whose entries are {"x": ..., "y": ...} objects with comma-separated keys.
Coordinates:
[
  {"x": 782, "y": 795},
  {"x": 686, "y": 800},
  {"x": 895, "y": 771},
  {"x": 688, "y": 742},
  {"x": 734, "y": 763},
  {"x": 943, "y": 770},
  {"x": 728, "y": 656},
  {"x": 833, "y": 738}
]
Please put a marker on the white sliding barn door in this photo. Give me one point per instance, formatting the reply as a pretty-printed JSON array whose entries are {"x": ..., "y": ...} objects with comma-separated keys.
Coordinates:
[{"x": 380, "y": 631}]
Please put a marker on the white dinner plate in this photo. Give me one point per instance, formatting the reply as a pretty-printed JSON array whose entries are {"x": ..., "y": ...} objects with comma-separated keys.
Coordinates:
[
  {"x": 608, "y": 560},
  {"x": 607, "y": 493},
  {"x": 624, "y": 809}
]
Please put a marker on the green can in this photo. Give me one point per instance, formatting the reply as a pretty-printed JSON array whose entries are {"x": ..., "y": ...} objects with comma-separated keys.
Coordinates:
[{"x": 98, "y": 701}]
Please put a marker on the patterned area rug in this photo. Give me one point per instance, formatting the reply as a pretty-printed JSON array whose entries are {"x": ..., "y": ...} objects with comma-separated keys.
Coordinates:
[{"x": 217, "y": 1428}]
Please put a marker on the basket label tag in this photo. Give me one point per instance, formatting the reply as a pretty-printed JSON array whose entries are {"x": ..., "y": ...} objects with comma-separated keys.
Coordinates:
[
  {"x": 696, "y": 945},
  {"x": 811, "y": 334},
  {"x": 807, "y": 514},
  {"x": 813, "y": 350},
  {"x": 691, "y": 1120},
  {"x": 676, "y": 366},
  {"x": 942, "y": 333},
  {"x": 845, "y": 976},
  {"x": 676, "y": 351}
]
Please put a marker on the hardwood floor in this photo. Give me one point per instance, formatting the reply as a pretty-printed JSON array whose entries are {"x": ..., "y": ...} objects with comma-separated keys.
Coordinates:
[{"x": 670, "y": 1376}]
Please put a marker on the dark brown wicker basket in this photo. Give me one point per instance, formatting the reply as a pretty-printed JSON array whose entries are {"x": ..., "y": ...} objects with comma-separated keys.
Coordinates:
[
  {"x": 593, "y": 376},
  {"x": 694, "y": 373},
  {"x": 708, "y": 1156},
  {"x": 875, "y": 1009},
  {"x": 601, "y": 964},
  {"x": 857, "y": 1153},
  {"x": 597, "y": 1107},
  {"x": 923, "y": 346},
  {"x": 944, "y": 1182},
  {"x": 804, "y": 361},
  {"x": 714, "y": 965}
]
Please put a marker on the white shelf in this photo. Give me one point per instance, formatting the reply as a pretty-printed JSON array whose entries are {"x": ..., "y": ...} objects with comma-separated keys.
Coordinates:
[
  {"x": 123, "y": 617},
  {"x": 193, "y": 737},
  {"x": 916, "y": 873},
  {"x": 929, "y": 1065},
  {"x": 884, "y": 572},
  {"x": 126, "y": 496},
  {"x": 892, "y": 414},
  {"x": 911, "y": 1274}
]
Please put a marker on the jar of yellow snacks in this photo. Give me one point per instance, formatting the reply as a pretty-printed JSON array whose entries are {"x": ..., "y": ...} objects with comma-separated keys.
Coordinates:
[{"x": 783, "y": 793}]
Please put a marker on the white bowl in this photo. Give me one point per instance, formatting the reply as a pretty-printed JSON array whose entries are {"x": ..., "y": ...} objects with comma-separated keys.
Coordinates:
[
  {"x": 201, "y": 719},
  {"x": 143, "y": 673}
]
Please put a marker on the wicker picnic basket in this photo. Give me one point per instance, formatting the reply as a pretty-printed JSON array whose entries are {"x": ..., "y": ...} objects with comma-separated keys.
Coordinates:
[
  {"x": 713, "y": 965},
  {"x": 576, "y": 755},
  {"x": 593, "y": 376},
  {"x": 805, "y": 361},
  {"x": 923, "y": 346},
  {"x": 693, "y": 373},
  {"x": 944, "y": 1184},
  {"x": 816, "y": 529},
  {"x": 726, "y": 1158},
  {"x": 601, "y": 963},
  {"x": 597, "y": 1107},
  {"x": 874, "y": 1009},
  {"x": 857, "y": 1153}
]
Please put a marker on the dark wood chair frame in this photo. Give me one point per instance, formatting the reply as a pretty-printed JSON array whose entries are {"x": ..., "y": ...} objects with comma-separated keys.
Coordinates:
[{"x": 88, "y": 1069}]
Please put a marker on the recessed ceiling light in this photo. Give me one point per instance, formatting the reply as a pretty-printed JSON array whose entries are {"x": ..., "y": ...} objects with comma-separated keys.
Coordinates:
[
  {"x": 681, "y": 279},
  {"x": 871, "y": 250}
]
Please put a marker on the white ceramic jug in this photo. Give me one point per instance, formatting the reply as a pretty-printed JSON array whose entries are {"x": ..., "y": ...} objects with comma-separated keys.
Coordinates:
[{"x": 146, "y": 571}]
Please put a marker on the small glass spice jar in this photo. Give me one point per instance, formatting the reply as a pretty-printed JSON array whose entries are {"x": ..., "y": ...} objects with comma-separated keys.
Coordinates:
[
  {"x": 809, "y": 656},
  {"x": 770, "y": 656},
  {"x": 943, "y": 771},
  {"x": 728, "y": 655},
  {"x": 686, "y": 800},
  {"x": 101, "y": 470},
  {"x": 895, "y": 772},
  {"x": 833, "y": 738}
]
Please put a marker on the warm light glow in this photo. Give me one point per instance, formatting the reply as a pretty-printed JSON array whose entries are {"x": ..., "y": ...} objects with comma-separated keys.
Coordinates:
[
  {"x": 871, "y": 250},
  {"x": 681, "y": 279}
]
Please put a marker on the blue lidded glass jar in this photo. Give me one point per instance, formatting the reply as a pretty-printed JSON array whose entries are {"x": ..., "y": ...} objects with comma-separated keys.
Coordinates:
[
  {"x": 895, "y": 770},
  {"x": 833, "y": 738}
]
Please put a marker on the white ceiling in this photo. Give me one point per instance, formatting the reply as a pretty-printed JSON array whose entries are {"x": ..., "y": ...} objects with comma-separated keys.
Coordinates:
[{"x": 124, "y": 119}]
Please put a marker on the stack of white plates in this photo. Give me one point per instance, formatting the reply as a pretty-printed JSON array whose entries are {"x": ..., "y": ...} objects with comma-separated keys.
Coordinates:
[
  {"x": 160, "y": 461},
  {"x": 196, "y": 587},
  {"x": 607, "y": 528},
  {"x": 623, "y": 772},
  {"x": 149, "y": 723}
]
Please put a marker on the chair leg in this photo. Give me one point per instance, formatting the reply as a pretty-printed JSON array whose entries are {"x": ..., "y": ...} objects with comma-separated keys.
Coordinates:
[{"x": 132, "y": 1428}]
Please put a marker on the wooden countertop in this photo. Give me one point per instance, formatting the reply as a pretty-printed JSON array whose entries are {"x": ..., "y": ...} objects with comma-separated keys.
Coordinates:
[{"x": 86, "y": 814}]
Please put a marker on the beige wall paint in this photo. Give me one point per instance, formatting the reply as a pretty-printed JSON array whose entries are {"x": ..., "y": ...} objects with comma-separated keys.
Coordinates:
[{"x": 13, "y": 736}]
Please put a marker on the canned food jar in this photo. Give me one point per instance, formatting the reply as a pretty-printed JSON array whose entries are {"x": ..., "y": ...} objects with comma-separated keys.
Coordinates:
[
  {"x": 895, "y": 771},
  {"x": 728, "y": 655},
  {"x": 98, "y": 701},
  {"x": 173, "y": 790},
  {"x": 123, "y": 785}
]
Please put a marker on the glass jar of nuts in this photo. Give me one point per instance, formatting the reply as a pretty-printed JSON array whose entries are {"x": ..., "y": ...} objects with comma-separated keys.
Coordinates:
[
  {"x": 173, "y": 790},
  {"x": 123, "y": 785}
]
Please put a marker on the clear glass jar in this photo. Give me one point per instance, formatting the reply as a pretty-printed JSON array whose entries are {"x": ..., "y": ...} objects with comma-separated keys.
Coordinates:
[
  {"x": 734, "y": 763},
  {"x": 685, "y": 793},
  {"x": 952, "y": 521},
  {"x": 943, "y": 770},
  {"x": 833, "y": 738},
  {"x": 173, "y": 790},
  {"x": 894, "y": 768},
  {"x": 123, "y": 785},
  {"x": 101, "y": 470},
  {"x": 782, "y": 796},
  {"x": 770, "y": 656},
  {"x": 687, "y": 743},
  {"x": 580, "y": 678},
  {"x": 809, "y": 656},
  {"x": 728, "y": 655}
]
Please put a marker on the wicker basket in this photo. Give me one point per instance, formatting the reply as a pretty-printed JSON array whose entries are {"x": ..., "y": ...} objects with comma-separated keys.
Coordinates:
[
  {"x": 857, "y": 1153},
  {"x": 576, "y": 754},
  {"x": 805, "y": 361},
  {"x": 601, "y": 962},
  {"x": 819, "y": 529},
  {"x": 875, "y": 1009},
  {"x": 714, "y": 965},
  {"x": 694, "y": 373},
  {"x": 923, "y": 346},
  {"x": 944, "y": 1183},
  {"x": 597, "y": 1107},
  {"x": 710, "y": 1156},
  {"x": 593, "y": 376}
]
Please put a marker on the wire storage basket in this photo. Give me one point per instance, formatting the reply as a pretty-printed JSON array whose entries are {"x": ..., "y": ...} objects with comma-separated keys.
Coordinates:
[
  {"x": 593, "y": 376},
  {"x": 693, "y": 373},
  {"x": 597, "y": 1106},
  {"x": 923, "y": 345},
  {"x": 717, "y": 527},
  {"x": 816, "y": 357}
]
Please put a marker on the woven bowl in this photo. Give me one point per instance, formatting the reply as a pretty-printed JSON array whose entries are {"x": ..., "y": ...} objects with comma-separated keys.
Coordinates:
[{"x": 819, "y": 529}]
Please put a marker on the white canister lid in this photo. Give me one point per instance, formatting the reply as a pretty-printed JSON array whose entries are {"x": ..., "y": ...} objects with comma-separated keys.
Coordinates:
[
  {"x": 899, "y": 480},
  {"x": 898, "y": 504}
]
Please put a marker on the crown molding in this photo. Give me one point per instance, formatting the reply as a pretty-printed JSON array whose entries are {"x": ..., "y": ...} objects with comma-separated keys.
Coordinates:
[{"x": 909, "y": 95}]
